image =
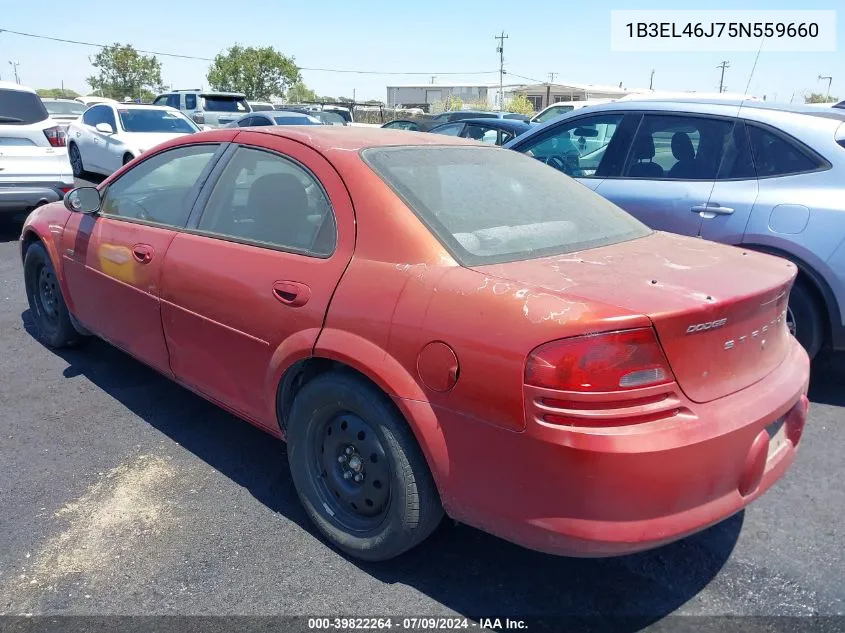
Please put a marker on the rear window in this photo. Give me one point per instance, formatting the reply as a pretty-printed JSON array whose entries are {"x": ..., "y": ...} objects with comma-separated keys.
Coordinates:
[
  {"x": 21, "y": 108},
  {"x": 489, "y": 205},
  {"x": 217, "y": 103},
  {"x": 64, "y": 108}
]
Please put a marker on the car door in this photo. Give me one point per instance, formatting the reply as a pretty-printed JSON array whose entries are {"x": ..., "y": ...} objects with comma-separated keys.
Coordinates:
[
  {"x": 113, "y": 260},
  {"x": 255, "y": 271},
  {"x": 734, "y": 193},
  {"x": 670, "y": 170},
  {"x": 84, "y": 136},
  {"x": 114, "y": 147},
  {"x": 101, "y": 142},
  {"x": 564, "y": 146}
]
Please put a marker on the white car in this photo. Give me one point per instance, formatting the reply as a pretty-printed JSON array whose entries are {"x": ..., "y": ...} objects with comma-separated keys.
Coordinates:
[
  {"x": 89, "y": 100},
  {"x": 109, "y": 135},
  {"x": 34, "y": 167}
]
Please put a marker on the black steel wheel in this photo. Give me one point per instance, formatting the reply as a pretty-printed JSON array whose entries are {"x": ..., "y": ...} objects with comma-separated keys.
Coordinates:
[
  {"x": 76, "y": 161},
  {"x": 357, "y": 468},
  {"x": 52, "y": 319},
  {"x": 350, "y": 470}
]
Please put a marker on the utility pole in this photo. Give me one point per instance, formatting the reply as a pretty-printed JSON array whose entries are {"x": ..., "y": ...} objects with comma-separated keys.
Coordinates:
[
  {"x": 651, "y": 80},
  {"x": 723, "y": 66},
  {"x": 501, "y": 50},
  {"x": 15, "y": 65},
  {"x": 552, "y": 77},
  {"x": 829, "y": 81},
  {"x": 433, "y": 77}
]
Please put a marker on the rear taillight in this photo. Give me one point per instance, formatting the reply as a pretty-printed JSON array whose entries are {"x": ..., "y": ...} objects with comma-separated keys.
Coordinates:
[
  {"x": 56, "y": 136},
  {"x": 612, "y": 361}
]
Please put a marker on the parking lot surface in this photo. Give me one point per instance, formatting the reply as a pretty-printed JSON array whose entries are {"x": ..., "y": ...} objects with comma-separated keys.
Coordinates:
[{"x": 123, "y": 493}]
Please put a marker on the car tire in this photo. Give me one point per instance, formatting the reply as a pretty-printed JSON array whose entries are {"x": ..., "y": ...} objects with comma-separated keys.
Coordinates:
[
  {"x": 804, "y": 318},
  {"x": 75, "y": 158},
  {"x": 341, "y": 423},
  {"x": 127, "y": 158},
  {"x": 53, "y": 325}
]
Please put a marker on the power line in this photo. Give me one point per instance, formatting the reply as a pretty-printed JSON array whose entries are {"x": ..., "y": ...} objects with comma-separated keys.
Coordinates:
[{"x": 211, "y": 59}]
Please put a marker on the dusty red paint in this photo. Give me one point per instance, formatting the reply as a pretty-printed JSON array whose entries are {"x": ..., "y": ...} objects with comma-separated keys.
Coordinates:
[{"x": 574, "y": 473}]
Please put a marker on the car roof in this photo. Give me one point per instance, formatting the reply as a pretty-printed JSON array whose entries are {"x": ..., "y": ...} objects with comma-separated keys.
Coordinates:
[
  {"x": 347, "y": 138},
  {"x": 61, "y": 99},
  {"x": 715, "y": 106},
  {"x": 10, "y": 85},
  {"x": 137, "y": 106}
]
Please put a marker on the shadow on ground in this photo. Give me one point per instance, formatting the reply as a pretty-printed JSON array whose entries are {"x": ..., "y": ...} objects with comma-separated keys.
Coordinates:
[{"x": 466, "y": 570}]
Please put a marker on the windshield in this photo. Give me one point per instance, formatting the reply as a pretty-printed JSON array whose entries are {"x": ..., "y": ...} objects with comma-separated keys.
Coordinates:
[
  {"x": 296, "y": 120},
  {"x": 330, "y": 118},
  {"x": 64, "y": 107},
  {"x": 342, "y": 113},
  {"x": 218, "y": 103},
  {"x": 150, "y": 120},
  {"x": 18, "y": 107},
  {"x": 488, "y": 205}
]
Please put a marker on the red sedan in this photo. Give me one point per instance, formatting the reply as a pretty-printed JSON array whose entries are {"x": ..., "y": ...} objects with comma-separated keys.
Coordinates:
[{"x": 436, "y": 325}]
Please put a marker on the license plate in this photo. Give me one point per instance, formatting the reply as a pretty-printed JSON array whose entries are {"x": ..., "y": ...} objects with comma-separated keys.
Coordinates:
[{"x": 777, "y": 437}]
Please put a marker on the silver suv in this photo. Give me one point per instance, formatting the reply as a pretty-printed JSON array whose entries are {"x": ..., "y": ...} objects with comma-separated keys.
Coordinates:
[
  {"x": 764, "y": 176},
  {"x": 213, "y": 109}
]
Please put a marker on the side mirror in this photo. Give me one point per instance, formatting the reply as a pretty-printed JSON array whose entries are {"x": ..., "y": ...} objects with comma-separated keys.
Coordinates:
[
  {"x": 83, "y": 199},
  {"x": 105, "y": 128}
]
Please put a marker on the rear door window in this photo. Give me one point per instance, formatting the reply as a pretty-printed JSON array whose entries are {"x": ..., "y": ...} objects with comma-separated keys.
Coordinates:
[
  {"x": 220, "y": 103},
  {"x": 678, "y": 147},
  {"x": 18, "y": 107},
  {"x": 776, "y": 155},
  {"x": 190, "y": 102}
]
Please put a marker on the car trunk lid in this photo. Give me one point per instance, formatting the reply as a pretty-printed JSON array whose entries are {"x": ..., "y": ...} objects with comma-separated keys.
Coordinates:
[{"x": 719, "y": 311}]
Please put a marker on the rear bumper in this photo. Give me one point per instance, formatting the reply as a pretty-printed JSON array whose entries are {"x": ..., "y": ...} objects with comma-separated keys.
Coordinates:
[
  {"x": 608, "y": 491},
  {"x": 24, "y": 196}
]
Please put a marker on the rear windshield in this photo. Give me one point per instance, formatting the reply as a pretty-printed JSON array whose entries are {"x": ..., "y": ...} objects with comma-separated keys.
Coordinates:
[
  {"x": 489, "y": 205},
  {"x": 64, "y": 108},
  {"x": 329, "y": 118},
  {"x": 21, "y": 108},
  {"x": 155, "y": 120},
  {"x": 342, "y": 113},
  {"x": 217, "y": 103}
]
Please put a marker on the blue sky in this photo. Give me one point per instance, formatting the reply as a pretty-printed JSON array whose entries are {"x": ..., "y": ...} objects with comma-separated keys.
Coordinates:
[{"x": 430, "y": 37}]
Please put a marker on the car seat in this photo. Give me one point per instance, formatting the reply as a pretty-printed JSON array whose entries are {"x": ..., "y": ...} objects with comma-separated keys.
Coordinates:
[{"x": 643, "y": 152}]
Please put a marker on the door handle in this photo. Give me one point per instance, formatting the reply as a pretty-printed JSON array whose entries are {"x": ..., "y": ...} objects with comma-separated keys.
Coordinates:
[
  {"x": 142, "y": 253},
  {"x": 711, "y": 210},
  {"x": 291, "y": 293}
]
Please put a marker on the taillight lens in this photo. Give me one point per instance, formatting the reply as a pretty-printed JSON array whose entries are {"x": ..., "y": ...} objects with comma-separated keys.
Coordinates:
[
  {"x": 56, "y": 136},
  {"x": 613, "y": 361}
]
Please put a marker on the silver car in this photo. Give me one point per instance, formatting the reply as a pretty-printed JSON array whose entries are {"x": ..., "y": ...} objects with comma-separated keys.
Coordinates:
[{"x": 764, "y": 176}]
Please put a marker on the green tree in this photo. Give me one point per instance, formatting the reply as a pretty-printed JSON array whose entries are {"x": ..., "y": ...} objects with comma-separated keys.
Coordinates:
[
  {"x": 259, "y": 73},
  {"x": 124, "y": 72},
  {"x": 57, "y": 93},
  {"x": 519, "y": 104},
  {"x": 327, "y": 99},
  {"x": 817, "y": 97},
  {"x": 300, "y": 93},
  {"x": 453, "y": 103}
]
